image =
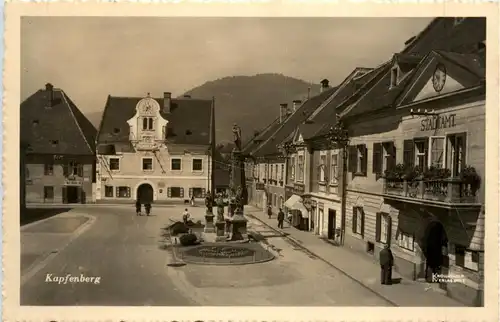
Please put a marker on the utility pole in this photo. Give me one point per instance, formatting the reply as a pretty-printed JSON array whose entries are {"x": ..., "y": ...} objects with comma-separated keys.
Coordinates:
[{"x": 211, "y": 169}]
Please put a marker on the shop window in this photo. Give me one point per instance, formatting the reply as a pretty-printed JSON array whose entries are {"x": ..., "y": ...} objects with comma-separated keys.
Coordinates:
[
  {"x": 108, "y": 191},
  {"x": 197, "y": 164},
  {"x": 322, "y": 168},
  {"x": 48, "y": 193},
  {"x": 358, "y": 221},
  {"x": 48, "y": 169},
  {"x": 147, "y": 164},
  {"x": 114, "y": 164},
  {"x": 383, "y": 228},
  {"x": 466, "y": 258},
  {"x": 334, "y": 168},
  {"x": 176, "y": 192},
  {"x": 123, "y": 192},
  {"x": 406, "y": 240},
  {"x": 456, "y": 152},
  {"x": 175, "y": 164}
]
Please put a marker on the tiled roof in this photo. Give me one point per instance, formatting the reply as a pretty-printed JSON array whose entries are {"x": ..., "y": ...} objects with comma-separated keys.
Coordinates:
[
  {"x": 188, "y": 120},
  {"x": 58, "y": 129},
  {"x": 474, "y": 63},
  {"x": 263, "y": 135},
  {"x": 270, "y": 146}
]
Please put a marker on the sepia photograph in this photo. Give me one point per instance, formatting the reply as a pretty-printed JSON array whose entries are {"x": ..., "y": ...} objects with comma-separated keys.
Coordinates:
[{"x": 252, "y": 161}]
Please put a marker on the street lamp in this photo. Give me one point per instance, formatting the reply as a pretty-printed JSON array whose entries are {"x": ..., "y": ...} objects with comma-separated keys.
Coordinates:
[{"x": 338, "y": 136}]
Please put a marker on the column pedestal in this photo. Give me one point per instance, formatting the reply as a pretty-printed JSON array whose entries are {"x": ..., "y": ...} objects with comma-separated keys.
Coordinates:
[
  {"x": 220, "y": 230},
  {"x": 209, "y": 222},
  {"x": 239, "y": 227}
]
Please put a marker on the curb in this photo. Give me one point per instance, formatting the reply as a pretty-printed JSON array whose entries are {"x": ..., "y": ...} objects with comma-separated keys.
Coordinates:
[{"x": 299, "y": 244}]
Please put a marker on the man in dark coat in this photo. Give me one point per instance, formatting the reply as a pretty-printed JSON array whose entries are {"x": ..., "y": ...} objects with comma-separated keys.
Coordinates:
[
  {"x": 138, "y": 207},
  {"x": 269, "y": 211},
  {"x": 386, "y": 263},
  {"x": 281, "y": 218}
]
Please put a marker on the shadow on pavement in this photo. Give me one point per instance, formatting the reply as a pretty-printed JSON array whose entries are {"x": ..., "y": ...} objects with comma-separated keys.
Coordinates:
[{"x": 29, "y": 216}]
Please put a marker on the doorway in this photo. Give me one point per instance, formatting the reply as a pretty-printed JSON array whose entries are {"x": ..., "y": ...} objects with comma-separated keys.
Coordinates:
[
  {"x": 145, "y": 193},
  {"x": 71, "y": 194},
  {"x": 332, "y": 217},
  {"x": 436, "y": 250}
]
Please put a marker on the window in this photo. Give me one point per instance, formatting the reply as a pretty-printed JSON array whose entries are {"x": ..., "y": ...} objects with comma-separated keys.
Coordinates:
[
  {"x": 147, "y": 123},
  {"x": 357, "y": 159},
  {"x": 114, "y": 164},
  {"x": 406, "y": 240},
  {"x": 198, "y": 192},
  {"x": 175, "y": 192},
  {"x": 358, "y": 221},
  {"x": 334, "y": 168},
  {"x": 48, "y": 192},
  {"x": 147, "y": 164},
  {"x": 384, "y": 157},
  {"x": 466, "y": 258},
  {"x": 175, "y": 164},
  {"x": 108, "y": 191},
  {"x": 301, "y": 168},
  {"x": 383, "y": 228},
  {"x": 197, "y": 164},
  {"x": 48, "y": 169},
  {"x": 276, "y": 172},
  {"x": 322, "y": 168},
  {"x": 123, "y": 192},
  {"x": 437, "y": 152},
  {"x": 271, "y": 172},
  {"x": 456, "y": 153},
  {"x": 292, "y": 168},
  {"x": 421, "y": 150},
  {"x": 282, "y": 172},
  {"x": 73, "y": 169}
]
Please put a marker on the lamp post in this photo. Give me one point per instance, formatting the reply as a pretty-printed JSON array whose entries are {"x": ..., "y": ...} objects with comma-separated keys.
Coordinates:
[{"x": 338, "y": 136}]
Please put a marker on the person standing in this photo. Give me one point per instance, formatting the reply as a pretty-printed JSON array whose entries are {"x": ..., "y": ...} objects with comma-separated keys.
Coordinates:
[
  {"x": 138, "y": 207},
  {"x": 269, "y": 211},
  {"x": 386, "y": 263},
  {"x": 147, "y": 207},
  {"x": 281, "y": 218},
  {"x": 185, "y": 217}
]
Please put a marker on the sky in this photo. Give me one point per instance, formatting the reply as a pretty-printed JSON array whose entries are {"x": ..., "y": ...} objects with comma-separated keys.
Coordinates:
[{"x": 93, "y": 57}]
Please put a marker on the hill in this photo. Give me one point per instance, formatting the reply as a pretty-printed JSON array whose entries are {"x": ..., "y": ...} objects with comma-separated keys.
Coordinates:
[{"x": 250, "y": 101}]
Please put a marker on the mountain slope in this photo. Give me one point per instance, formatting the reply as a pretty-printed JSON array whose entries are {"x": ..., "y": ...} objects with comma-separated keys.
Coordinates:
[{"x": 250, "y": 101}]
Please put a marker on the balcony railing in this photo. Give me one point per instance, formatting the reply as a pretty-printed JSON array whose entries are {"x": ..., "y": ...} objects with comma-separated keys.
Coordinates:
[{"x": 451, "y": 190}]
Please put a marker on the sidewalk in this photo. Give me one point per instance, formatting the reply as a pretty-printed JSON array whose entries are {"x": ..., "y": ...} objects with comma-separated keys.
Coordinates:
[{"x": 359, "y": 268}]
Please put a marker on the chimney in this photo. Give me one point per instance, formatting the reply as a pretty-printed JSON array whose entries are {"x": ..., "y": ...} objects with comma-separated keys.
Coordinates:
[
  {"x": 296, "y": 104},
  {"x": 324, "y": 85},
  {"x": 283, "y": 108},
  {"x": 167, "y": 102},
  {"x": 50, "y": 97}
]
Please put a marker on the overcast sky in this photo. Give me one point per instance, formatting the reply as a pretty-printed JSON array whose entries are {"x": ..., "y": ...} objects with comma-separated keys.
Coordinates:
[{"x": 91, "y": 57}]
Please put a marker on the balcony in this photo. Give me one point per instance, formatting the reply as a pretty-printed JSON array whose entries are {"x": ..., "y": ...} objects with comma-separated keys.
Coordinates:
[{"x": 450, "y": 190}]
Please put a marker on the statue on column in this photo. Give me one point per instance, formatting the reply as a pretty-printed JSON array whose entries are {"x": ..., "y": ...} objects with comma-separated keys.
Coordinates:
[
  {"x": 220, "y": 207},
  {"x": 209, "y": 202},
  {"x": 237, "y": 136},
  {"x": 238, "y": 199}
]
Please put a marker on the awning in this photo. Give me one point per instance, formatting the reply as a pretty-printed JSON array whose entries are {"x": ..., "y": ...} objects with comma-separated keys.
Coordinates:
[{"x": 295, "y": 203}]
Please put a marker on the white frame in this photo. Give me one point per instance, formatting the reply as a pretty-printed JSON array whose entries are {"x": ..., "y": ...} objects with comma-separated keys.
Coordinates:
[
  {"x": 360, "y": 157},
  {"x": 119, "y": 163},
  {"x": 416, "y": 155},
  {"x": 171, "y": 168},
  {"x": 452, "y": 149},
  {"x": 384, "y": 224},
  {"x": 147, "y": 127},
  {"x": 334, "y": 179},
  {"x": 152, "y": 164},
  {"x": 322, "y": 166},
  {"x": 429, "y": 152},
  {"x": 118, "y": 194},
  {"x": 192, "y": 165}
]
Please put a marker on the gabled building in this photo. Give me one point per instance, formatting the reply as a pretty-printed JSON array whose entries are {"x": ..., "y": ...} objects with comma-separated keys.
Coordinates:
[
  {"x": 154, "y": 149},
  {"x": 59, "y": 149}
]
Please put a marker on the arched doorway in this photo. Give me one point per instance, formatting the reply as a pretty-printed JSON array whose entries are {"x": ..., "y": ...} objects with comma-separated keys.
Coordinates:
[
  {"x": 435, "y": 249},
  {"x": 145, "y": 193}
]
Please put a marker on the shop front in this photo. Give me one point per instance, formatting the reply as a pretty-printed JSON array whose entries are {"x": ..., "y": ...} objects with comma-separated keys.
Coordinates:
[{"x": 295, "y": 208}]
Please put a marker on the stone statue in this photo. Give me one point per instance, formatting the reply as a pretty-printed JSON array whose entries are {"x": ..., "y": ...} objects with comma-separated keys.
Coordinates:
[
  {"x": 209, "y": 202},
  {"x": 220, "y": 208},
  {"x": 238, "y": 199},
  {"x": 237, "y": 136}
]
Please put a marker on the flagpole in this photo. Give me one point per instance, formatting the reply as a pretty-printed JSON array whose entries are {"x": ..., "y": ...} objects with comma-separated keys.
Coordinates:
[{"x": 212, "y": 148}]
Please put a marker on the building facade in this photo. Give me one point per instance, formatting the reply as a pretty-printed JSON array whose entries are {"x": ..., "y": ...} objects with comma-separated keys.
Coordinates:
[
  {"x": 154, "y": 150},
  {"x": 59, "y": 144}
]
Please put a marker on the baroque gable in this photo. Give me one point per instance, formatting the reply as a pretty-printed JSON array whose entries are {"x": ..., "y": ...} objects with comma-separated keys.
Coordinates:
[{"x": 147, "y": 127}]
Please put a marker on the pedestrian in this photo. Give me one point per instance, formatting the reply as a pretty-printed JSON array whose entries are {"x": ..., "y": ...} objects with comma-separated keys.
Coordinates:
[
  {"x": 147, "y": 207},
  {"x": 185, "y": 217},
  {"x": 138, "y": 207},
  {"x": 269, "y": 211},
  {"x": 192, "y": 201},
  {"x": 281, "y": 218},
  {"x": 386, "y": 263}
]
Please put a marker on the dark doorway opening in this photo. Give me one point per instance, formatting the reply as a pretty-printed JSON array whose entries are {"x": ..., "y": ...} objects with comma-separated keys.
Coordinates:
[
  {"x": 331, "y": 223},
  {"x": 436, "y": 250},
  {"x": 145, "y": 193},
  {"x": 71, "y": 194}
]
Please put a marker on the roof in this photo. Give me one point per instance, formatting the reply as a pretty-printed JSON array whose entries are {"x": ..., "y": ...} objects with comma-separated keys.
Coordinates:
[
  {"x": 262, "y": 136},
  {"x": 188, "y": 120},
  {"x": 270, "y": 146},
  {"x": 59, "y": 129},
  {"x": 474, "y": 63}
]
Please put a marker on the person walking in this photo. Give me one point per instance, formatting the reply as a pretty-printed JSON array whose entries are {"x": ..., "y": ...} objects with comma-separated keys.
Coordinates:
[
  {"x": 281, "y": 218},
  {"x": 138, "y": 207},
  {"x": 386, "y": 263},
  {"x": 269, "y": 211},
  {"x": 192, "y": 201},
  {"x": 147, "y": 207}
]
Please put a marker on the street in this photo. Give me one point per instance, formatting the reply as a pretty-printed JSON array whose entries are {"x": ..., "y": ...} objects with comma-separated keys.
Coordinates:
[{"x": 117, "y": 261}]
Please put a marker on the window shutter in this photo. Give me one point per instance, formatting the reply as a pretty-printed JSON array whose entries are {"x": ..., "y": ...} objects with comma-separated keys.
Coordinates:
[
  {"x": 391, "y": 161},
  {"x": 362, "y": 223},
  {"x": 353, "y": 158},
  {"x": 389, "y": 229},
  {"x": 182, "y": 192},
  {"x": 364, "y": 164},
  {"x": 378, "y": 227},
  {"x": 409, "y": 153},
  {"x": 377, "y": 158},
  {"x": 354, "y": 219},
  {"x": 190, "y": 192},
  {"x": 426, "y": 151},
  {"x": 169, "y": 192}
]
